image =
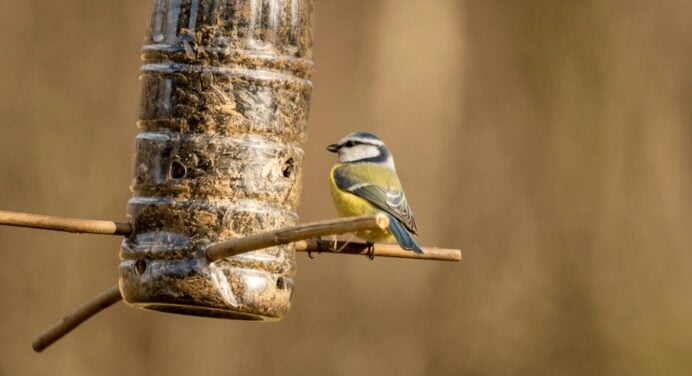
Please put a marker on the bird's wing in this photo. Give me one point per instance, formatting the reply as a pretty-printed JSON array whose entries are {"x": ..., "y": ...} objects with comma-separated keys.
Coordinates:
[
  {"x": 402, "y": 236},
  {"x": 390, "y": 199}
]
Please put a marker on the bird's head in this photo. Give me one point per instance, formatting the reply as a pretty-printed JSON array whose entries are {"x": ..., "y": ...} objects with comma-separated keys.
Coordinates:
[{"x": 362, "y": 147}]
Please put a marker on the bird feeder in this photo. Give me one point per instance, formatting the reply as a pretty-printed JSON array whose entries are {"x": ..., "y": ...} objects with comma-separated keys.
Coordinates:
[
  {"x": 225, "y": 97},
  {"x": 218, "y": 167}
]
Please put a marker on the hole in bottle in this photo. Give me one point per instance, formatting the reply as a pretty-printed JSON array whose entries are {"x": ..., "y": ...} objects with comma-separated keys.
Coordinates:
[
  {"x": 178, "y": 170},
  {"x": 140, "y": 266},
  {"x": 288, "y": 168},
  {"x": 280, "y": 283}
]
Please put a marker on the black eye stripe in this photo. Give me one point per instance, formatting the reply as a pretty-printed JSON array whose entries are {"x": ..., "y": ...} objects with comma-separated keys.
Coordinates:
[{"x": 352, "y": 143}]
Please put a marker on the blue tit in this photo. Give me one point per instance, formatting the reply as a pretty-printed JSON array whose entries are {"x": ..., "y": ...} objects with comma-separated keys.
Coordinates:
[{"x": 364, "y": 182}]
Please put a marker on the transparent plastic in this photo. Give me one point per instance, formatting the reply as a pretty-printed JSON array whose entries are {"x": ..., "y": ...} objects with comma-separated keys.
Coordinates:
[{"x": 224, "y": 104}]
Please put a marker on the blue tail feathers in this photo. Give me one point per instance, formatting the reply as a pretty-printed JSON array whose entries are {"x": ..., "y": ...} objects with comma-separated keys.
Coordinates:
[{"x": 402, "y": 236}]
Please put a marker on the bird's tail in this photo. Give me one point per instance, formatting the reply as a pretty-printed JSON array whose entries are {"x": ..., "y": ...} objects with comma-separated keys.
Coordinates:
[{"x": 402, "y": 236}]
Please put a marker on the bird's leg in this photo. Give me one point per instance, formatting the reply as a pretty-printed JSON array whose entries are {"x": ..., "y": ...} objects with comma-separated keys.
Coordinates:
[{"x": 371, "y": 250}]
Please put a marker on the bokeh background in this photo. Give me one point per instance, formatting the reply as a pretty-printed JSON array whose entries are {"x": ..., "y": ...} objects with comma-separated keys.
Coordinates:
[{"x": 550, "y": 140}]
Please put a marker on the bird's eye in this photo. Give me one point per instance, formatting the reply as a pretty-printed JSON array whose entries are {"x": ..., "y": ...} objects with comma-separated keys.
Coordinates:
[{"x": 349, "y": 144}]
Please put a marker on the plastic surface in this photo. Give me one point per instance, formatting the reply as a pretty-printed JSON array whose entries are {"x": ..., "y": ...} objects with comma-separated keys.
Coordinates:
[{"x": 225, "y": 97}]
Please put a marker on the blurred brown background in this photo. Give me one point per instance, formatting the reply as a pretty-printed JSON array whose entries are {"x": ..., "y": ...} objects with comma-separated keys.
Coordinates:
[{"x": 550, "y": 140}]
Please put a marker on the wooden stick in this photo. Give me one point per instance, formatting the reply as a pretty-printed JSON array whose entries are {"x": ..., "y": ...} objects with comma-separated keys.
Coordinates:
[
  {"x": 46, "y": 222},
  {"x": 302, "y": 235},
  {"x": 74, "y": 319},
  {"x": 291, "y": 234},
  {"x": 379, "y": 250}
]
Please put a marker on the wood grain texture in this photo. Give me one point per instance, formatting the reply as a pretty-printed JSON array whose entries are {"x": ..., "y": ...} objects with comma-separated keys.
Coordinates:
[{"x": 75, "y": 225}]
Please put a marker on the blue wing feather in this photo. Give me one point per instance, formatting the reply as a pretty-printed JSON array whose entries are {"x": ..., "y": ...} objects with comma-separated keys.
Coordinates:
[
  {"x": 402, "y": 236},
  {"x": 392, "y": 201}
]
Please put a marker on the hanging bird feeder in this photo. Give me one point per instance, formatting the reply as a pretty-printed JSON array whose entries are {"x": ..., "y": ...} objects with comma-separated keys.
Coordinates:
[{"x": 212, "y": 224}]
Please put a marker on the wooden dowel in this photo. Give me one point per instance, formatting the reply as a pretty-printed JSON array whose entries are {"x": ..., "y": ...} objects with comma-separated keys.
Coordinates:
[
  {"x": 74, "y": 319},
  {"x": 45, "y": 222},
  {"x": 304, "y": 238},
  {"x": 379, "y": 250},
  {"x": 291, "y": 234}
]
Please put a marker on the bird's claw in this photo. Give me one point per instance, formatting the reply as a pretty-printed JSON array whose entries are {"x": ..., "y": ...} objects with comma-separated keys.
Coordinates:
[{"x": 371, "y": 250}]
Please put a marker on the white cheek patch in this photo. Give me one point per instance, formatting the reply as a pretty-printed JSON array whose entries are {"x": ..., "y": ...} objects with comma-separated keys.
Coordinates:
[{"x": 357, "y": 153}]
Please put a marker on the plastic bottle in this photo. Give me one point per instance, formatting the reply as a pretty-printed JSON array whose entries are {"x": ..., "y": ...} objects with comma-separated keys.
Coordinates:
[{"x": 224, "y": 103}]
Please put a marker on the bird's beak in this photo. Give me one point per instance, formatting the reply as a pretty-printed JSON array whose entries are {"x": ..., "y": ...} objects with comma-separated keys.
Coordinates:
[{"x": 333, "y": 148}]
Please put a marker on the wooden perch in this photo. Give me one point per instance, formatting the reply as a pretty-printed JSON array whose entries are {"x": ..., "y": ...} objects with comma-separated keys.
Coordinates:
[
  {"x": 291, "y": 234},
  {"x": 250, "y": 243},
  {"x": 303, "y": 235},
  {"x": 379, "y": 250},
  {"x": 45, "y": 222},
  {"x": 74, "y": 319}
]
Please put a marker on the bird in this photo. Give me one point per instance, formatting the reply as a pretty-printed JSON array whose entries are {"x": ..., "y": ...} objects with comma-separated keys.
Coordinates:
[{"x": 364, "y": 182}]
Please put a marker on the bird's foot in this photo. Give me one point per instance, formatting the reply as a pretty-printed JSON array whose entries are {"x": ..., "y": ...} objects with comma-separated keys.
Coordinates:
[{"x": 371, "y": 250}]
